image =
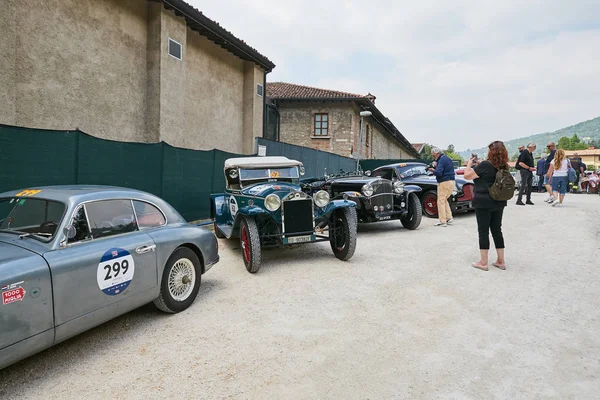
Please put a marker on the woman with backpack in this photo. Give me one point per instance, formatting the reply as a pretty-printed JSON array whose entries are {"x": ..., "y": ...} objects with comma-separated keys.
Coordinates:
[
  {"x": 488, "y": 210},
  {"x": 558, "y": 174}
]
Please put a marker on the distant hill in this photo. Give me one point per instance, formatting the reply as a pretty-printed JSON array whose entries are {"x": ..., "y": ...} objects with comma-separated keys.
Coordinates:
[{"x": 587, "y": 130}]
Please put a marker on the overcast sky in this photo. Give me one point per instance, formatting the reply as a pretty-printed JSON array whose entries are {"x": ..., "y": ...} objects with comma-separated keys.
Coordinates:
[{"x": 461, "y": 72}]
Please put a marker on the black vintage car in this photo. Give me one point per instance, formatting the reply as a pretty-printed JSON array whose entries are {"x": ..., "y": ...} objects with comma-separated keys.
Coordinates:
[
  {"x": 415, "y": 173},
  {"x": 376, "y": 198}
]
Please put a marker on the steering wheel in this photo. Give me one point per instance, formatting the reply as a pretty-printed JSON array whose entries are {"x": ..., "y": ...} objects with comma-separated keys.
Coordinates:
[{"x": 48, "y": 227}]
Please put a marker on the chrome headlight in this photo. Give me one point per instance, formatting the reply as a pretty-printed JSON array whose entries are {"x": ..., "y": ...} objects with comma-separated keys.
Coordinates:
[
  {"x": 367, "y": 190},
  {"x": 233, "y": 173},
  {"x": 399, "y": 187},
  {"x": 302, "y": 170},
  {"x": 272, "y": 202},
  {"x": 321, "y": 198},
  {"x": 454, "y": 193}
]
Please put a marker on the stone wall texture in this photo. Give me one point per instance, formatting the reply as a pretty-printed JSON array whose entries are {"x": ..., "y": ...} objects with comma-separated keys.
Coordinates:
[
  {"x": 297, "y": 127},
  {"x": 103, "y": 66}
]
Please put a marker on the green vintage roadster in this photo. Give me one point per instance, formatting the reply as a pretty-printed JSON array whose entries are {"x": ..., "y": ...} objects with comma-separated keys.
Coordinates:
[{"x": 264, "y": 206}]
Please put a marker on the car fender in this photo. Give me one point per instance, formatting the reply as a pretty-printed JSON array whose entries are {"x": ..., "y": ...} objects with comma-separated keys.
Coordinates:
[
  {"x": 332, "y": 206},
  {"x": 247, "y": 211},
  {"x": 412, "y": 189}
]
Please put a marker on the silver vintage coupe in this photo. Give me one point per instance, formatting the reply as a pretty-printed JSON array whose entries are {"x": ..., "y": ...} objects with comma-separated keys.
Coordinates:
[{"x": 73, "y": 257}]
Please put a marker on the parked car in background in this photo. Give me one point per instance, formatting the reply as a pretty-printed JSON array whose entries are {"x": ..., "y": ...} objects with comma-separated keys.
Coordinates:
[
  {"x": 264, "y": 206},
  {"x": 73, "y": 257},
  {"x": 416, "y": 174},
  {"x": 590, "y": 182},
  {"x": 534, "y": 185},
  {"x": 376, "y": 198}
]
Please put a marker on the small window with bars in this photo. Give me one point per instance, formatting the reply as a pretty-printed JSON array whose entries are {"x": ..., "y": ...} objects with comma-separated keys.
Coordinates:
[{"x": 321, "y": 125}]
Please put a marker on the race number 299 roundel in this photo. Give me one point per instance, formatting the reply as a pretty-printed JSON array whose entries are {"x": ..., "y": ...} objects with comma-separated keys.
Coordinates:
[{"x": 115, "y": 271}]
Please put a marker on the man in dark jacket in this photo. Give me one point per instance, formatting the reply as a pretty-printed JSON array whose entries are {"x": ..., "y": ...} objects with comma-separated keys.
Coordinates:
[
  {"x": 445, "y": 175},
  {"x": 527, "y": 168},
  {"x": 579, "y": 168},
  {"x": 541, "y": 166}
]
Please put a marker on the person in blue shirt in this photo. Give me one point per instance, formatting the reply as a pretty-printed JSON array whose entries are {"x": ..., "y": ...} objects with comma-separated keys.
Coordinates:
[
  {"x": 445, "y": 175},
  {"x": 541, "y": 170}
]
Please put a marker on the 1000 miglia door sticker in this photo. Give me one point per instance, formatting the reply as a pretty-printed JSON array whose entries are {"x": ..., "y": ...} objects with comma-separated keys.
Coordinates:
[{"x": 115, "y": 271}]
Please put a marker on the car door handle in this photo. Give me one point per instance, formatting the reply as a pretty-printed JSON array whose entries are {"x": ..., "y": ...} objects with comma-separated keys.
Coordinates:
[{"x": 145, "y": 249}]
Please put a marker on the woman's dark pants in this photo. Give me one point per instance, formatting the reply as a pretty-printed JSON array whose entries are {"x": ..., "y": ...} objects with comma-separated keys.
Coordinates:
[{"x": 490, "y": 219}]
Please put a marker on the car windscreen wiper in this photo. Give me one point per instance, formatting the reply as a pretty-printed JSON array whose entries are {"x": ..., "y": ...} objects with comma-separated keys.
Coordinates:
[
  {"x": 11, "y": 231},
  {"x": 42, "y": 234}
]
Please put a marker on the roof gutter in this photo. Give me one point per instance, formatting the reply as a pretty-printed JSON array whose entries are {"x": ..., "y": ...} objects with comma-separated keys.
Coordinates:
[{"x": 211, "y": 26}]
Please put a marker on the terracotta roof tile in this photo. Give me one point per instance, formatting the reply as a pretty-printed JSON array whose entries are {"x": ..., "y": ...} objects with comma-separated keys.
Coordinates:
[
  {"x": 282, "y": 90},
  {"x": 589, "y": 152}
]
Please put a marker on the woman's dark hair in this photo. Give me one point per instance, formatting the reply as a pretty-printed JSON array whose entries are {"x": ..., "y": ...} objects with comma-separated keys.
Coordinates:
[{"x": 498, "y": 155}]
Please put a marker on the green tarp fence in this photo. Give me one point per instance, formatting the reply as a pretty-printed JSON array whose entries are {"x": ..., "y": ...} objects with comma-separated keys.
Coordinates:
[{"x": 184, "y": 178}]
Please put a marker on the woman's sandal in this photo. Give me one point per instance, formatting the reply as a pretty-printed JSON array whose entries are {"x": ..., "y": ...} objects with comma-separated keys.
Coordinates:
[
  {"x": 481, "y": 267},
  {"x": 502, "y": 267}
]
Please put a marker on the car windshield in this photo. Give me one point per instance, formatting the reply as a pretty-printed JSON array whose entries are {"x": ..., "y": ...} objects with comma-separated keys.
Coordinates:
[
  {"x": 267, "y": 174},
  {"x": 35, "y": 218},
  {"x": 412, "y": 170}
]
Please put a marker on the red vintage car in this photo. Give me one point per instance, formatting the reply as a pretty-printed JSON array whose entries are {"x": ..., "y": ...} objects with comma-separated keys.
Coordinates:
[{"x": 590, "y": 182}]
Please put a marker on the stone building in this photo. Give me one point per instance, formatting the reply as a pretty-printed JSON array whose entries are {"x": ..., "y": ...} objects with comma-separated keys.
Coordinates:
[
  {"x": 330, "y": 120},
  {"x": 130, "y": 70}
]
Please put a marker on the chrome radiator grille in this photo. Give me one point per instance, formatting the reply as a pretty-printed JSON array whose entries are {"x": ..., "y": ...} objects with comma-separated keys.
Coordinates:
[{"x": 382, "y": 195}]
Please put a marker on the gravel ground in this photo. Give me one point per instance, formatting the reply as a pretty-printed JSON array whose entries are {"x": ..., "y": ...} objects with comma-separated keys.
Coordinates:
[{"x": 406, "y": 317}]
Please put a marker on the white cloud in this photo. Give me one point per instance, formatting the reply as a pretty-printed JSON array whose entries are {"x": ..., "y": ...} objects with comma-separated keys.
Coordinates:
[{"x": 465, "y": 72}]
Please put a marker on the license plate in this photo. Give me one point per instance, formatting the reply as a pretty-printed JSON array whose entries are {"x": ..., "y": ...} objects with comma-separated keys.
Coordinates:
[{"x": 299, "y": 239}]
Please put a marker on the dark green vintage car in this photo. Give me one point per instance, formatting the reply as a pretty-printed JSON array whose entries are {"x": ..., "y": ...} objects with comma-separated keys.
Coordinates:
[{"x": 264, "y": 206}]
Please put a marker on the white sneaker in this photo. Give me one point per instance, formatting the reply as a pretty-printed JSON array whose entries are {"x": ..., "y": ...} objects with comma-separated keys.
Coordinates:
[
  {"x": 556, "y": 204},
  {"x": 451, "y": 220},
  {"x": 443, "y": 224}
]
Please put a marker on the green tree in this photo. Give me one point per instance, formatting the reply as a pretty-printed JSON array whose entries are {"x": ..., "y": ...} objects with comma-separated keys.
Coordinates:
[
  {"x": 572, "y": 143},
  {"x": 450, "y": 152},
  {"x": 427, "y": 150},
  {"x": 564, "y": 143}
]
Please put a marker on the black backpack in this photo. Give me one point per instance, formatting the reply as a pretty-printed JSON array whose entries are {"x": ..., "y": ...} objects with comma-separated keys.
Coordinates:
[{"x": 503, "y": 187}]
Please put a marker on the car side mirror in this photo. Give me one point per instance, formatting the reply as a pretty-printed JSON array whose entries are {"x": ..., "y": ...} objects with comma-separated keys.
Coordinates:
[{"x": 70, "y": 232}]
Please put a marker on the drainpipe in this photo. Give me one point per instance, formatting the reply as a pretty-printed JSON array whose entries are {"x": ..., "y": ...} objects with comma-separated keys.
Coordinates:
[
  {"x": 264, "y": 106},
  {"x": 362, "y": 114}
]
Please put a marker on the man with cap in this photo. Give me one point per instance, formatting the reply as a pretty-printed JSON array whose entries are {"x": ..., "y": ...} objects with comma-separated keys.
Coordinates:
[{"x": 527, "y": 165}]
